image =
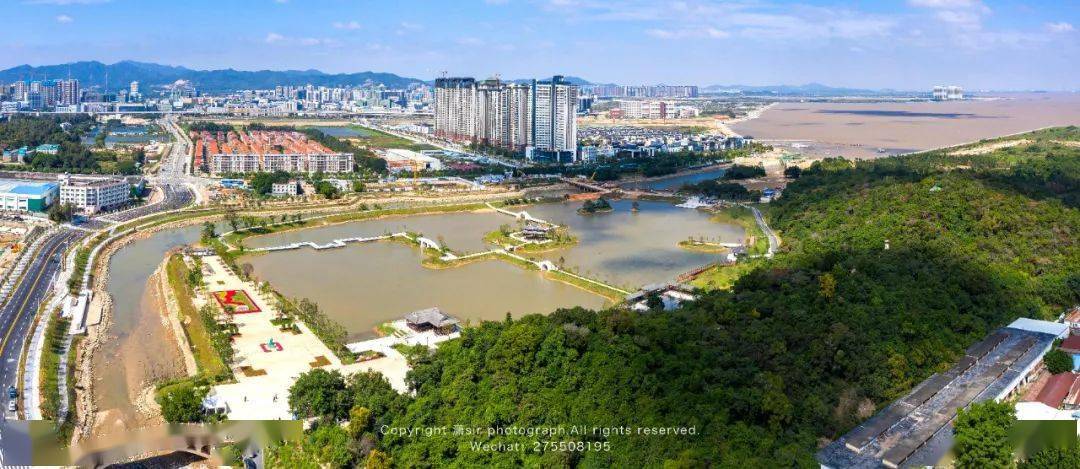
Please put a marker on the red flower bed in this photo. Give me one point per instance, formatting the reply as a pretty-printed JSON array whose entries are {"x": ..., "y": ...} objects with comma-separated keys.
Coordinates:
[{"x": 238, "y": 300}]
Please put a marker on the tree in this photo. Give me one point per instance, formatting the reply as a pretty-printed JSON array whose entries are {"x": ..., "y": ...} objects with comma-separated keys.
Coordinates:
[
  {"x": 1057, "y": 361},
  {"x": 358, "y": 186},
  {"x": 209, "y": 231},
  {"x": 320, "y": 393},
  {"x": 327, "y": 190},
  {"x": 195, "y": 277},
  {"x": 330, "y": 443},
  {"x": 982, "y": 435},
  {"x": 262, "y": 183},
  {"x": 827, "y": 284},
  {"x": 61, "y": 213},
  {"x": 744, "y": 172},
  {"x": 792, "y": 172},
  {"x": 654, "y": 302},
  {"x": 378, "y": 460},
  {"x": 372, "y": 391},
  {"x": 232, "y": 219},
  {"x": 359, "y": 421},
  {"x": 181, "y": 403},
  {"x": 1053, "y": 458}
]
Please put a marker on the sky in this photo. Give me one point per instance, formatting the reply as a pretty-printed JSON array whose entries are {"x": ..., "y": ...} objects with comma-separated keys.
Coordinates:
[{"x": 902, "y": 44}]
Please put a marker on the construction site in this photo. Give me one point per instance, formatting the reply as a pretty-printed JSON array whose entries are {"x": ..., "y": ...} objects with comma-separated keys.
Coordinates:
[{"x": 221, "y": 152}]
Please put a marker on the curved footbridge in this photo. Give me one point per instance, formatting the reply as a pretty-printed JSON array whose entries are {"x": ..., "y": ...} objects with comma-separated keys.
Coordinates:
[
  {"x": 522, "y": 215},
  {"x": 340, "y": 243},
  {"x": 543, "y": 265}
]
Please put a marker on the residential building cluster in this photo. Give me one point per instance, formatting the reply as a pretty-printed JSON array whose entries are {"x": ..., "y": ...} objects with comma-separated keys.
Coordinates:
[
  {"x": 648, "y": 109},
  {"x": 67, "y": 95},
  {"x": 308, "y": 99},
  {"x": 536, "y": 117},
  {"x": 606, "y": 142},
  {"x": 642, "y": 91},
  {"x": 40, "y": 95},
  {"x": 265, "y": 150},
  {"x": 948, "y": 93}
]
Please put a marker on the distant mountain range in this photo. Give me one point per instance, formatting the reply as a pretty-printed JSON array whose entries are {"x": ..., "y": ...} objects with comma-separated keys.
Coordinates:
[{"x": 151, "y": 75}]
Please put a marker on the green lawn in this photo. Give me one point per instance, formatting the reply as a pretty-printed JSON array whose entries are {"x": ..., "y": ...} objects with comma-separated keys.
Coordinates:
[
  {"x": 207, "y": 359},
  {"x": 742, "y": 216},
  {"x": 50, "y": 363},
  {"x": 723, "y": 277},
  {"x": 372, "y": 138}
]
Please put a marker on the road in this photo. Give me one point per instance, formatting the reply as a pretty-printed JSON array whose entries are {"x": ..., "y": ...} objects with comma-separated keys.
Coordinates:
[
  {"x": 172, "y": 178},
  {"x": 774, "y": 241},
  {"x": 17, "y": 314}
]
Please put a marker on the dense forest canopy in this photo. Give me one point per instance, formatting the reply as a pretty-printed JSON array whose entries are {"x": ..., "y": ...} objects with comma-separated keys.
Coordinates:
[
  {"x": 890, "y": 268},
  {"x": 65, "y": 131}
]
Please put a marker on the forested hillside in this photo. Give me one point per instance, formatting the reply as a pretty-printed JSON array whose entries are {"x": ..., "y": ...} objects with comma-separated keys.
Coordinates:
[{"x": 890, "y": 269}]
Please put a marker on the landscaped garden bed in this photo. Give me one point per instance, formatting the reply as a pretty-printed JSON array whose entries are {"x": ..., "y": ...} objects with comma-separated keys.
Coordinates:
[{"x": 236, "y": 302}]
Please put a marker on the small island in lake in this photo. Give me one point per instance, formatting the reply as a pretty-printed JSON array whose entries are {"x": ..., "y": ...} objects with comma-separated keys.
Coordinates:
[{"x": 595, "y": 206}]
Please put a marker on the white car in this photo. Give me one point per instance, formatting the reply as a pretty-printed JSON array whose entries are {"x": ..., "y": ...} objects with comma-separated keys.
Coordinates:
[{"x": 12, "y": 406}]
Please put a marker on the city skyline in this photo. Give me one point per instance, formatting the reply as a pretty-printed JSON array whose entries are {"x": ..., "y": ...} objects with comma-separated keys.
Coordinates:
[{"x": 911, "y": 44}]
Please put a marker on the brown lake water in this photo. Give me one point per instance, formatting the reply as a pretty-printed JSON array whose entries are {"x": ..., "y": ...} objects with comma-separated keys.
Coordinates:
[{"x": 363, "y": 285}]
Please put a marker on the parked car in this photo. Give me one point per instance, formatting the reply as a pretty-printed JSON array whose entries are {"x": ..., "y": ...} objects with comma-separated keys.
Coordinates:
[
  {"x": 12, "y": 393},
  {"x": 12, "y": 406}
]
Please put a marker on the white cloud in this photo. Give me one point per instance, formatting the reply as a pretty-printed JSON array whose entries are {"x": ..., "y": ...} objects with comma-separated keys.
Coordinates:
[
  {"x": 470, "y": 41},
  {"x": 660, "y": 33},
  {"x": 1060, "y": 27},
  {"x": 960, "y": 18},
  {"x": 64, "y": 19},
  {"x": 279, "y": 39},
  {"x": 696, "y": 33},
  {"x": 716, "y": 33},
  {"x": 963, "y": 15},
  {"x": 349, "y": 25},
  {"x": 406, "y": 27}
]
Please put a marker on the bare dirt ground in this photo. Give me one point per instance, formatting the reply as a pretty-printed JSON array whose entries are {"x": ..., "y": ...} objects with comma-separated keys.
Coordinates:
[
  {"x": 149, "y": 355},
  {"x": 989, "y": 147}
]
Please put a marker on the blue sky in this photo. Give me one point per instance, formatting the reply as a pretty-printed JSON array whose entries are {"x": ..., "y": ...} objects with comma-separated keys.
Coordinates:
[{"x": 904, "y": 44}]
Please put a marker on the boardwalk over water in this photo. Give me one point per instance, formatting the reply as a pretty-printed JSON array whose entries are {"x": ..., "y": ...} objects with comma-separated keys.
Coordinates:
[{"x": 337, "y": 243}]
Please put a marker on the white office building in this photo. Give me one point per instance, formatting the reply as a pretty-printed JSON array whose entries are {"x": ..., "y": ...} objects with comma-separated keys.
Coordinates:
[
  {"x": 288, "y": 188},
  {"x": 91, "y": 194}
]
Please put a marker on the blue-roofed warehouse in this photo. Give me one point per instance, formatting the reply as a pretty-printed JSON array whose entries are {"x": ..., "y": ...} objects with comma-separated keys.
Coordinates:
[{"x": 19, "y": 195}]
